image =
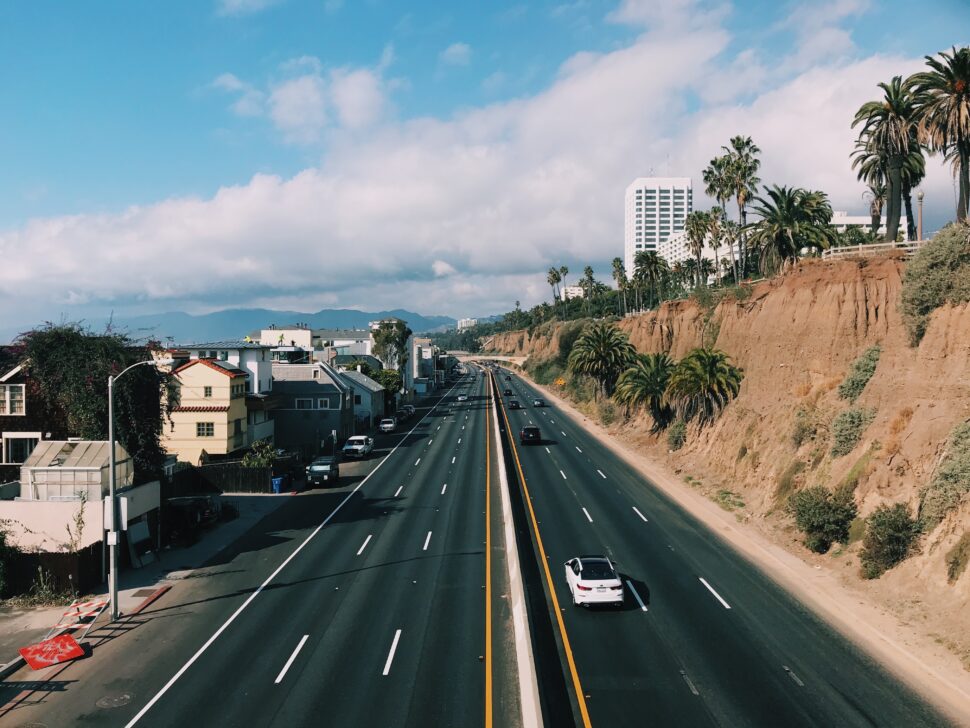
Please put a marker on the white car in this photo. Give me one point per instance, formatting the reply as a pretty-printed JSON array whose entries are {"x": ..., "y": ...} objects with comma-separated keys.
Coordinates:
[
  {"x": 462, "y": 397},
  {"x": 593, "y": 580},
  {"x": 388, "y": 424},
  {"x": 358, "y": 446}
]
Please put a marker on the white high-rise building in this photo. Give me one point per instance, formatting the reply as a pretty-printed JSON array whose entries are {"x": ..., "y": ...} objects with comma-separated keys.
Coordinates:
[{"x": 655, "y": 209}]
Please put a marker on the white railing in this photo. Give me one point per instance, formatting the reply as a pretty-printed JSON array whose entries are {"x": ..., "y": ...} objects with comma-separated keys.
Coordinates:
[{"x": 853, "y": 251}]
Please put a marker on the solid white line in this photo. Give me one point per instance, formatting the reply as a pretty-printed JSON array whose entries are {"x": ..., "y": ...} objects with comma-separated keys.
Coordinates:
[
  {"x": 279, "y": 678},
  {"x": 547, "y": 450},
  {"x": 364, "y": 546},
  {"x": 642, "y": 517},
  {"x": 577, "y": 448},
  {"x": 453, "y": 461},
  {"x": 711, "y": 590},
  {"x": 427, "y": 541},
  {"x": 417, "y": 461},
  {"x": 601, "y": 473},
  {"x": 444, "y": 488},
  {"x": 562, "y": 474},
  {"x": 390, "y": 655},
  {"x": 639, "y": 600},
  {"x": 398, "y": 491},
  {"x": 588, "y": 517},
  {"x": 232, "y": 618}
]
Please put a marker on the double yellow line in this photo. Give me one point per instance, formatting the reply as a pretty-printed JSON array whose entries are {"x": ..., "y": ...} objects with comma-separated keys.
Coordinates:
[{"x": 577, "y": 685}]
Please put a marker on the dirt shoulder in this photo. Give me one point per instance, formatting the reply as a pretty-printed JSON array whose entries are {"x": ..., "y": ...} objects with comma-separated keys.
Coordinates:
[{"x": 915, "y": 658}]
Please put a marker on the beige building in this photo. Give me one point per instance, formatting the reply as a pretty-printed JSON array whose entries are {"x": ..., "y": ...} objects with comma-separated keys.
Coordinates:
[{"x": 211, "y": 414}]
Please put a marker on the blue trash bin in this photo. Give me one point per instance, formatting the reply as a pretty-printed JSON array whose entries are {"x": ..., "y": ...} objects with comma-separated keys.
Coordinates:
[{"x": 277, "y": 484}]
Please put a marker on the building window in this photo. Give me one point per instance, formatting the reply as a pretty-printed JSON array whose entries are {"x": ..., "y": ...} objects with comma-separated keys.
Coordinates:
[
  {"x": 205, "y": 429},
  {"x": 304, "y": 403},
  {"x": 17, "y": 446},
  {"x": 325, "y": 403},
  {"x": 237, "y": 427},
  {"x": 356, "y": 399},
  {"x": 212, "y": 355},
  {"x": 12, "y": 399},
  {"x": 207, "y": 391},
  {"x": 224, "y": 355}
]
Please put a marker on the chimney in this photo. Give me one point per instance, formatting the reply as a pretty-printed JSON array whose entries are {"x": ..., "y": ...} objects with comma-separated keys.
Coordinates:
[{"x": 360, "y": 368}]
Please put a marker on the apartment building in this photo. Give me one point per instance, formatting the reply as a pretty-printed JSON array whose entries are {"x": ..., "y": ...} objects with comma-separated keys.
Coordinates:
[{"x": 655, "y": 209}]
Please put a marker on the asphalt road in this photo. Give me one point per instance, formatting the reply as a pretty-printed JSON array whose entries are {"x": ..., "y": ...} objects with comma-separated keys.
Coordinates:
[
  {"x": 714, "y": 642},
  {"x": 377, "y": 619}
]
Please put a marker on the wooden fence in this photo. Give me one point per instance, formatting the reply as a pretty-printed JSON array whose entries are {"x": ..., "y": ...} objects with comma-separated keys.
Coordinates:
[
  {"x": 76, "y": 572},
  {"x": 854, "y": 251}
]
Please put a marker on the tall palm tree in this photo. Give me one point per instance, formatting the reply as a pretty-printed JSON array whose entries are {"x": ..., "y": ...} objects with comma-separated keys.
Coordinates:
[
  {"x": 650, "y": 266},
  {"x": 588, "y": 284},
  {"x": 717, "y": 183},
  {"x": 553, "y": 279},
  {"x": 619, "y": 275},
  {"x": 743, "y": 166},
  {"x": 791, "y": 219},
  {"x": 942, "y": 100},
  {"x": 644, "y": 384},
  {"x": 731, "y": 234},
  {"x": 696, "y": 227},
  {"x": 887, "y": 129},
  {"x": 715, "y": 234},
  {"x": 602, "y": 352},
  {"x": 702, "y": 384},
  {"x": 873, "y": 170}
]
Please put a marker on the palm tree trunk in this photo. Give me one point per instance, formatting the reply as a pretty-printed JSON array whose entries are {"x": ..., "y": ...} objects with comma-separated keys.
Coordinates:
[
  {"x": 964, "y": 174},
  {"x": 717, "y": 268},
  {"x": 743, "y": 248},
  {"x": 895, "y": 195},
  {"x": 908, "y": 201}
]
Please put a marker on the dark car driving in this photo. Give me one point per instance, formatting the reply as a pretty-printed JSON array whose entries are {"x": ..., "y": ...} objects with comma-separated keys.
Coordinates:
[
  {"x": 324, "y": 469},
  {"x": 529, "y": 435},
  {"x": 514, "y": 404}
]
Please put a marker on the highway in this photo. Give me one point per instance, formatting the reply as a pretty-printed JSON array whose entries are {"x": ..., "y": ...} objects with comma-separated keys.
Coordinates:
[{"x": 704, "y": 638}]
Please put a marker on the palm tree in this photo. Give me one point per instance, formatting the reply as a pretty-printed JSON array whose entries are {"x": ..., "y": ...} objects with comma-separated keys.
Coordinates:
[
  {"x": 696, "y": 227},
  {"x": 588, "y": 284},
  {"x": 644, "y": 384},
  {"x": 602, "y": 352},
  {"x": 731, "y": 234},
  {"x": 619, "y": 275},
  {"x": 650, "y": 267},
  {"x": 873, "y": 171},
  {"x": 718, "y": 186},
  {"x": 715, "y": 234},
  {"x": 942, "y": 100},
  {"x": 887, "y": 128},
  {"x": 553, "y": 278},
  {"x": 742, "y": 172},
  {"x": 702, "y": 384},
  {"x": 791, "y": 219}
]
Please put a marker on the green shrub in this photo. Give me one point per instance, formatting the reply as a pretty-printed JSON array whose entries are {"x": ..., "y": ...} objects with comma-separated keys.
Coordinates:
[
  {"x": 952, "y": 479},
  {"x": 890, "y": 532},
  {"x": 823, "y": 518},
  {"x": 847, "y": 429},
  {"x": 677, "y": 435},
  {"x": 938, "y": 274},
  {"x": 958, "y": 557},
  {"x": 607, "y": 412},
  {"x": 859, "y": 374},
  {"x": 804, "y": 428}
]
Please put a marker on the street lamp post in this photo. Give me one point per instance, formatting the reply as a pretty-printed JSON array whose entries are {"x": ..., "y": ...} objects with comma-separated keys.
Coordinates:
[
  {"x": 113, "y": 533},
  {"x": 919, "y": 216}
]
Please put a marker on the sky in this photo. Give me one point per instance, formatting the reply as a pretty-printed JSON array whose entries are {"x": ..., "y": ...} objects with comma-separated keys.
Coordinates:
[{"x": 197, "y": 155}]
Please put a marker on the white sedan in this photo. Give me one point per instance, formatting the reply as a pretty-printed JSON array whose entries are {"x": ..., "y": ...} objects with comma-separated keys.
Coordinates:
[
  {"x": 358, "y": 446},
  {"x": 593, "y": 580}
]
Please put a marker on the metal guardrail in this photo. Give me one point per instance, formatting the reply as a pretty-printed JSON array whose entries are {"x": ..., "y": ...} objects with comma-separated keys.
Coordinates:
[{"x": 854, "y": 251}]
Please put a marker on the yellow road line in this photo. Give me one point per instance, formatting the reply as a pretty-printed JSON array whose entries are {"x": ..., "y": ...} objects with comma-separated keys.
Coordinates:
[
  {"x": 488, "y": 569},
  {"x": 577, "y": 685}
]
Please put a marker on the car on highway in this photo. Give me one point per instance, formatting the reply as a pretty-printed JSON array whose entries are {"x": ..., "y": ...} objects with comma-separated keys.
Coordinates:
[
  {"x": 530, "y": 435},
  {"x": 388, "y": 424},
  {"x": 324, "y": 469},
  {"x": 507, "y": 377},
  {"x": 462, "y": 397},
  {"x": 507, "y": 392},
  {"x": 514, "y": 404},
  {"x": 593, "y": 580},
  {"x": 358, "y": 446},
  {"x": 538, "y": 402}
]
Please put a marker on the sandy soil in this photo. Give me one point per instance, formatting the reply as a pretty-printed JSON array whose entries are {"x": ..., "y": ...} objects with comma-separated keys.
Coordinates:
[{"x": 896, "y": 642}]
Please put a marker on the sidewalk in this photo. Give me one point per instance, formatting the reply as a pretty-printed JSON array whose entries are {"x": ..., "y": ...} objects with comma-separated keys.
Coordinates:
[{"x": 22, "y": 627}]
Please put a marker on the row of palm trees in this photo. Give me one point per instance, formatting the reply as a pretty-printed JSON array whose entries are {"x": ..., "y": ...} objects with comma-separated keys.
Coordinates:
[
  {"x": 697, "y": 387},
  {"x": 927, "y": 112}
]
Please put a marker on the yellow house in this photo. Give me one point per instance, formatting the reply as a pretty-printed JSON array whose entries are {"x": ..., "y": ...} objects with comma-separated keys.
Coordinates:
[{"x": 211, "y": 414}]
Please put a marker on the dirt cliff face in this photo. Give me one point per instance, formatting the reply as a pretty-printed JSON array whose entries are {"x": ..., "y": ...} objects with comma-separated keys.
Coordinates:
[{"x": 796, "y": 337}]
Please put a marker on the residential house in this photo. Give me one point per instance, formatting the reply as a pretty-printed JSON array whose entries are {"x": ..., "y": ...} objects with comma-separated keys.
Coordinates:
[
  {"x": 316, "y": 408},
  {"x": 211, "y": 415},
  {"x": 369, "y": 399},
  {"x": 349, "y": 361},
  {"x": 23, "y": 420}
]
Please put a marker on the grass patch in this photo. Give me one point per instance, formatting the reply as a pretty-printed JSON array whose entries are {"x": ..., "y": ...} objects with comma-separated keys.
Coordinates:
[
  {"x": 847, "y": 429},
  {"x": 859, "y": 374},
  {"x": 952, "y": 479},
  {"x": 939, "y": 273},
  {"x": 957, "y": 558},
  {"x": 857, "y": 530},
  {"x": 728, "y": 499},
  {"x": 742, "y": 451},
  {"x": 677, "y": 435},
  {"x": 901, "y": 420},
  {"x": 787, "y": 480},
  {"x": 857, "y": 472}
]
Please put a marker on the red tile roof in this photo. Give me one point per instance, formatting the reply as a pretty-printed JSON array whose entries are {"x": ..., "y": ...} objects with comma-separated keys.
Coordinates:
[
  {"x": 213, "y": 408},
  {"x": 228, "y": 370}
]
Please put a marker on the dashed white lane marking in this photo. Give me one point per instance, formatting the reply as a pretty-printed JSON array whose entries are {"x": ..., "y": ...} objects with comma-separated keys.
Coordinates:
[
  {"x": 444, "y": 488},
  {"x": 459, "y": 441},
  {"x": 601, "y": 473},
  {"x": 797, "y": 680},
  {"x": 588, "y": 517},
  {"x": 390, "y": 655},
  {"x": 427, "y": 540},
  {"x": 563, "y": 433},
  {"x": 431, "y": 440},
  {"x": 716, "y": 595},
  {"x": 562, "y": 474},
  {"x": 453, "y": 460},
  {"x": 637, "y": 596},
  {"x": 577, "y": 448},
  {"x": 642, "y": 517},
  {"x": 683, "y": 674},
  {"x": 398, "y": 491},
  {"x": 547, "y": 450},
  {"x": 439, "y": 427},
  {"x": 364, "y": 545},
  {"x": 417, "y": 461},
  {"x": 279, "y": 678}
]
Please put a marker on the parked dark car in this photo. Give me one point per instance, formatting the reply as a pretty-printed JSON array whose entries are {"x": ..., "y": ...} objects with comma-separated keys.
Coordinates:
[
  {"x": 185, "y": 516},
  {"x": 530, "y": 435},
  {"x": 324, "y": 469}
]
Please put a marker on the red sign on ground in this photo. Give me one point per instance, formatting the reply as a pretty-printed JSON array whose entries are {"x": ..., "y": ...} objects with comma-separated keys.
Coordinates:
[{"x": 51, "y": 652}]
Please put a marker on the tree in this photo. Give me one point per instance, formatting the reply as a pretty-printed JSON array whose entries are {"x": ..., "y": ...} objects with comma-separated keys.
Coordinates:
[
  {"x": 602, "y": 352},
  {"x": 715, "y": 234},
  {"x": 696, "y": 227},
  {"x": 650, "y": 268},
  {"x": 553, "y": 279},
  {"x": 70, "y": 367},
  {"x": 389, "y": 379},
  {"x": 717, "y": 183},
  {"x": 619, "y": 275},
  {"x": 941, "y": 97},
  {"x": 888, "y": 126},
  {"x": 391, "y": 343},
  {"x": 791, "y": 219},
  {"x": 873, "y": 170},
  {"x": 588, "y": 284},
  {"x": 742, "y": 174},
  {"x": 365, "y": 368},
  {"x": 644, "y": 384},
  {"x": 702, "y": 384},
  {"x": 260, "y": 455}
]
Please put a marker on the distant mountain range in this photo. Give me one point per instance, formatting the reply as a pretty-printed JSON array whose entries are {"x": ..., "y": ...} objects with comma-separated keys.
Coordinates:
[{"x": 184, "y": 328}]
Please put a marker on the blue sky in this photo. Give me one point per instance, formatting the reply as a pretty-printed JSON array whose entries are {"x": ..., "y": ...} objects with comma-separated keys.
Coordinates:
[{"x": 489, "y": 140}]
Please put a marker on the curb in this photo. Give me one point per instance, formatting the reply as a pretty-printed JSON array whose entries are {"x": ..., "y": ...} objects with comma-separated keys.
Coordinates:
[{"x": 11, "y": 667}]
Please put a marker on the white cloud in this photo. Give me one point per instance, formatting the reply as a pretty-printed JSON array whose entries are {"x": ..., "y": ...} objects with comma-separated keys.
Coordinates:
[
  {"x": 249, "y": 101},
  {"x": 298, "y": 108},
  {"x": 242, "y": 7},
  {"x": 457, "y": 54},
  {"x": 441, "y": 268},
  {"x": 358, "y": 96}
]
